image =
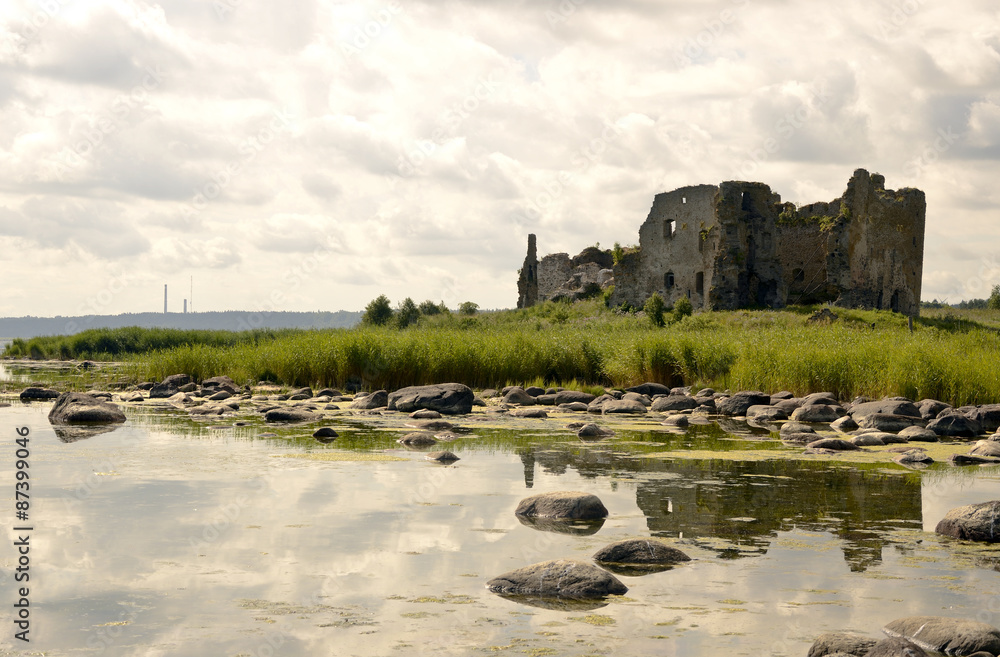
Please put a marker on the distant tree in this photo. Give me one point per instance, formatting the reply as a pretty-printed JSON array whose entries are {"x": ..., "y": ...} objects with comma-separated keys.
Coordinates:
[
  {"x": 406, "y": 313},
  {"x": 653, "y": 308},
  {"x": 682, "y": 308},
  {"x": 468, "y": 308},
  {"x": 429, "y": 308},
  {"x": 994, "y": 302},
  {"x": 378, "y": 312},
  {"x": 974, "y": 304}
]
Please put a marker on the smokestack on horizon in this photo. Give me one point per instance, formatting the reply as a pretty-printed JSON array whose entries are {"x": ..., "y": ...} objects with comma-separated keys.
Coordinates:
[
  {"x": 164, "y": 298},
  {"x": 185, "y": 306}
]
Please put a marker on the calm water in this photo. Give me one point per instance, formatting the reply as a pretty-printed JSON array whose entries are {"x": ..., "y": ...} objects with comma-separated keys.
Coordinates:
[{"x": 170, "y": 537}]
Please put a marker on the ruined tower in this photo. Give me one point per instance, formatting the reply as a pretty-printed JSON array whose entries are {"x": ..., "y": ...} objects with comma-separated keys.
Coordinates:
[{"x": 527, "y": 283}]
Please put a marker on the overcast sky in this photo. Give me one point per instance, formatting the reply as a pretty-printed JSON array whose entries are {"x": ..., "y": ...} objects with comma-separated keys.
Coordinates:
[{"x": 311, "y": 155}]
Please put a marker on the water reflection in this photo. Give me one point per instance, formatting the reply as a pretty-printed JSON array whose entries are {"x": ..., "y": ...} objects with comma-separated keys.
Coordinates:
[{"x": 169, "y": 536}]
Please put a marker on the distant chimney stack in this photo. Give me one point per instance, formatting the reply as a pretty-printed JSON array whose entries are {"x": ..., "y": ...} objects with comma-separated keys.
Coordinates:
[
  {"x": 185, "y": 306},
  {"x": 164, "y": 298}
]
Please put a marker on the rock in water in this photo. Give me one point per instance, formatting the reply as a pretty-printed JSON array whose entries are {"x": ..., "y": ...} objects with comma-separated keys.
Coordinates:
[
  {"x": 169, "y": 387},
  {"x": 442, "y": 457},
  {"x": 741, "y": 401},
  {"x": 563, "y": 505},
  {"x": 38, "y": 394},
  {"x": 290, "y": 415},
  {"x": 377, "y": 399},
  {"x": 952, "y": 636},
  {"x": 841, "y": 642},
  {"x": 446, "y": 398},
  {"x": 558, "y": 578},
  {"x": 80, "y": 408},
  {"x": 975, "y": 522},
  {"x": 640, "y": 551},
  {"x": 895, "y": 647}
]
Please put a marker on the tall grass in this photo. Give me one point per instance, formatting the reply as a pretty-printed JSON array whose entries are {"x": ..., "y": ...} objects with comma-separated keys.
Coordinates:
[{"x": 863, "y": 353}]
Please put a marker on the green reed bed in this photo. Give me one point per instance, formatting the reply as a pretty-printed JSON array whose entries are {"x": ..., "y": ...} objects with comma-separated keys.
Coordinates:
[{"x": 765, "y": 350}]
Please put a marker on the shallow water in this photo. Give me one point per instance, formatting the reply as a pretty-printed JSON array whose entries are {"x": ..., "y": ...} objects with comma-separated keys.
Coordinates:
[{"x": 168, "y": 536}]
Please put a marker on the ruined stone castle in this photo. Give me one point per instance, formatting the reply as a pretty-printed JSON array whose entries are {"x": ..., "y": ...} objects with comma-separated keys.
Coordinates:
[{"x": 736, "y": 245}]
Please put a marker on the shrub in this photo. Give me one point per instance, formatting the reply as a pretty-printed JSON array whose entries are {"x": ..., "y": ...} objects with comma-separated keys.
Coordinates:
[
  {"x": 653, "y": 308},
  {"x": 407, "y": 313},
  {"x": 994, "y": 301},
  {"x": 682, "y": 308},
  {"x": 468, "y": 308}
]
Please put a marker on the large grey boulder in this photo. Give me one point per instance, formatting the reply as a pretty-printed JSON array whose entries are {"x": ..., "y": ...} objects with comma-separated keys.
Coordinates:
[
  {"x": 766, "y": 413},
  {"x": 80, "y": 408},
  {"x": 988, "y": 448},
  {"x": 517, "y": 395},
  {"x": 844, "y": 424},
  {"x": 952, "y": 636},
  {"x": 377, "y": 399},
  {"x": 896, "y": 647},
  {"x": 572, "y": 396},
  {"x": 973, "y": 522},
  {"x": 987, "y": 416},
  {"x": 823, "y": 398},
  {"x": 887, "y": 406},
  {"x": 291, "y": 415},
  {"x": 929, "y": 408},
  {"x": 446, "y": 398},
  {"x": 841, "y": 642},
  {"x": 891, "y": 423},
  {"x": 789, "y": 428},
  {"x": 834, "y": 444},
  {"x": 955, "y": 425},
  {"x": 641, "y": 551},
  {"x": 739, "y": 403},
  {"x": 563, "y": 505},
  {"x": 623, "y": 406},
  {"x": 650, "y": 389},
  {"x": 559, "y": 578},
  {"x": 816, "y": 413},
  {"x": 169, "y": 386},
  {"x": 38, "y": 394},
  {"x": 919, "y": 434},
  {"x": 673, "y": 403}
]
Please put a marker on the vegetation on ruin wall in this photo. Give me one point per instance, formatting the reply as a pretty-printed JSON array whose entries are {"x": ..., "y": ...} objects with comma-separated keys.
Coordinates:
[{"x": 951, "y": 355}]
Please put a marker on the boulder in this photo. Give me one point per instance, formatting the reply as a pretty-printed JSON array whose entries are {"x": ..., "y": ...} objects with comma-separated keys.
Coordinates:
[
  {"x": 597, "y": 404},
  {"x": 641, "y": 551},
  {"x": 952, "y": 636},
  {"x": 329, "y": 392},
  {"x": 169, "y": 386},
  {"x": 573, "y": 396},
  {"x": 38, "y": 394},
  {"x": 929, "y": 408},
  {"x": 432, "y": 425},
  {"x": 844, "y": 424},
  {"x": 591, "y": 430},
  {"x": 563, "y": 505},
  {"x": 987, "y": 416},
  {"x": 546, "y": 399},
  {"x": 833, "y": 443},
  {"x": 841, "y": 642},
  {"x": 442, "y": 457},
  {"x": 913, "y": 457},
  {"x": 221, "y": 395},
  {"x": 987, "y": 448},
  {"x": 622, "y": 406},
  {"x": 886, "y": 406},
  {"x": 766, "y": 413},
  {"x": 974, "y": 522},
  {"x": 890, "y": 423},
  {"x": 377, "y": 399},
  {"x": 919, "y": 434},
  {"x": 820, "y": 398},
  {"x": 781, "y": 396},
  {"x": 896, "y": 647},
  {"x": 867, "y": 440},
  {"x": 634, "y": 396},
  {"x": 290, "y": 415},
  {"x": 423, "y": 414},
  {"x": 673, "y": 403},
  {"x": 518, "y": 396},
  {"x": 575, "y": 407},
  {"x": 558, "y": 578},
  {"x": 738, "y": 404},
  {"x": 795, "y": 427},
  {"x": 325, "y": 434},
  {"x": 787, "y": 405},
  {"x": 816, "y": 413},
  {"x": 80, "y": 408},
  {"x": 968, "y": 459},
  {"x": 798, "y": 438},
  {"x": 529, "y": 412},
  {"x": 301, "y": 393},
  {"x": 650, "y": 389},
  {"x": 955, "y": 425},
  {"x": 418, "y": 439},
  {"x": 446, "y": 398},
  {"x": 679, "y": 421}
]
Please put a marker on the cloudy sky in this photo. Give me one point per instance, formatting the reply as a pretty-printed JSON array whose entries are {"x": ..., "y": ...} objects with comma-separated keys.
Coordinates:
[{"x": 311, "y": 155}]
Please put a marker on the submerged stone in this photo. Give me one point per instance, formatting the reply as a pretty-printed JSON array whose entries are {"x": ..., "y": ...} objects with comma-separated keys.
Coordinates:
[
  {"x": 558, "y": 578},
  {"x": 973, "y": 522},
  {"x": 563, "y": 505}
]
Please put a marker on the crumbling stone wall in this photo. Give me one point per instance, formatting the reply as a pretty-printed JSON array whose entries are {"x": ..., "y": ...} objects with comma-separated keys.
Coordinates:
[
  {"x": 736, "y": 245},
  {"x": 527, "y": 282}
]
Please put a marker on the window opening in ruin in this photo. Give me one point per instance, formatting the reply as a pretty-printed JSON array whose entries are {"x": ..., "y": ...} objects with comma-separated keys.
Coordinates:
[
  {"x": 668, "y": 229},
  {"x": 914, "y": 240},
  {"x": 798, "y": 276},
  {"x": 699, "y": 282},
  {"x": 684, "y": 199},
  {"x": 894, "y": 302},
  {"x": 668, "y": 280}
]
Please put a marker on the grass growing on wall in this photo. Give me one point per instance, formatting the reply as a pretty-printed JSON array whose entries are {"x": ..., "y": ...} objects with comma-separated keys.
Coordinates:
[{"x": 948, "y": 357}]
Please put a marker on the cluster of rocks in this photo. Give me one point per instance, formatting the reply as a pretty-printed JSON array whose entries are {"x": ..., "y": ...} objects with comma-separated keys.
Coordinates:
[
  {"x": 914, "y": 636},
  {"x": 571, "y": 579}
]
